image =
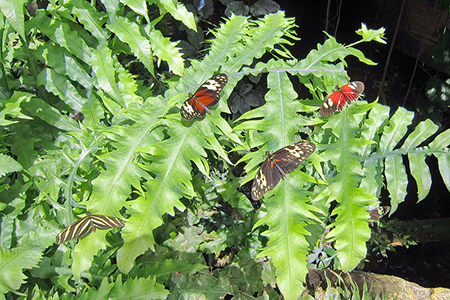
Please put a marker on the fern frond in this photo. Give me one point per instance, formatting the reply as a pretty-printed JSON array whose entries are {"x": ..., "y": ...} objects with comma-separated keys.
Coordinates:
[
  {"x": 288, "y": 213},
  {"x": 8, "y": 165},
  {"x": 13, "y": 261},
  {"x": 130, "y": 34},
  {"x": 166, "y": 50},
  {"x": 13, "y": 11},
  {"x": 178, "y": 11},
  {"x": 350, "y": 231},
  {"x": 92, "y": 19},
  {"x": 389, "y": 156}
]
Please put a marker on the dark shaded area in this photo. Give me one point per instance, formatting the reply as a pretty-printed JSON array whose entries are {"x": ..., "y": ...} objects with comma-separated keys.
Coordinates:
[{"x": 427, "y": 264}]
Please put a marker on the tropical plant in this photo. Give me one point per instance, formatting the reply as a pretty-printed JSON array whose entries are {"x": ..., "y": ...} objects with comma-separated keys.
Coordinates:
[{"x": 91, "y": 136}]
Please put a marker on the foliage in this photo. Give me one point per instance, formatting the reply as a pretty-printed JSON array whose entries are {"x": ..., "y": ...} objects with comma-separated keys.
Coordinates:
[{"x": 130, "y": 155}]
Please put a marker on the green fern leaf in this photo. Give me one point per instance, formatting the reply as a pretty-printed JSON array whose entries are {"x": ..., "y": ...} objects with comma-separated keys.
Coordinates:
[
  {"x": 279, "y": 118},
  {"x": 172, "y": 180},
  {"x": 12, "y": 262},
  {"x": 103, "y": 67},
  {"x": 396, "y": 129},
  {"x": 178, "y": 11},
  {"x": 130, "y": 34},
  {"x": 92, "y": 20},
  {"x": 13, "y": 109},
  {"x": 8, "y": 165},
  {"x": 440, "y": 143},
  {"x": 63, "y": 35},
  {"x": 85, "y": 250},
  {"x": 350, "y": 231},
  {"x": 13, "y": 11},
  {"x": 64, "y": 63},
  {"x": 132, "y": 288},
  {"x": 287, "y": 216},
  {"x": 62, "y": 88},
  {"x": 388, "y": 156},
  {"x": 139, "y": 6},
  {"x": 166, "y": 50}
]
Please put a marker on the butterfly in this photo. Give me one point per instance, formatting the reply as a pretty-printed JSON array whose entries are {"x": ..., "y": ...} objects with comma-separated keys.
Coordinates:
[
  {"x": 281, "y": 162},
  {"x": 379, "y": 212},
  {"x": 343, "y": 96},
  {"x": 85, "y": 226},
  {"x": 206, "y": 96}
]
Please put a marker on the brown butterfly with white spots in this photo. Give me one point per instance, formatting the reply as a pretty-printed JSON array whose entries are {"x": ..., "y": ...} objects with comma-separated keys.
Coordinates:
[
  {"x": 205, "y": 97},
  {"x": 278, "y": 164}
]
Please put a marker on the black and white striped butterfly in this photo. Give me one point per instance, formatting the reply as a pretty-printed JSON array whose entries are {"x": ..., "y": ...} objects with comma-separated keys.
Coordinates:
[
  {"x": 85, "y": 226},
  {"x": 281, "y": 162}
]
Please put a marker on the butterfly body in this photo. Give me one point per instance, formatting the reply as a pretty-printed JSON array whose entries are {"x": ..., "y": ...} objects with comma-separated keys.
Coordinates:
[
  {"x": 85, "y": 226},
  {"x": 205, "y": 97},
  {"x": 278, "y": 164},
  {"x": 341, "y": 98}
]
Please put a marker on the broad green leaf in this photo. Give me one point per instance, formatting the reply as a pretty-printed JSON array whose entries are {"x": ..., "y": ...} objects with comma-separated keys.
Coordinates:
[
  {"x": 421, "y": 173},
  {"x": 287, "y": 216},
  {"x": 177, "y": 11},
  {"x": 63, "y": 35},
  {"x": 92, "y": 19},
  {"x": 166, "y": 50},
  {"x": 350, "y": 230},
  {"x": 130, "y": 34},
  {"x": 139, "y": 6},
  {"x": 422, "y": 131},
  {"x": 441, "y": 141},
  {"x": 64, "y": 63},
  {"x": 12, "y": 108},
  {"x": 62, "y": 88},
  {"x": 394, "y": 132},
  {"x": 444, "y": 167},
  {"x": 84, "y": 252},
  {"x": 377, "y": 117},
  {"x": 12, "y": 263},
  {"x": 103, "y": 67},
  {"x": 42, "y": 110},
  {"x": 397, "y": 180},
  {"x": 13, "y": 11}
]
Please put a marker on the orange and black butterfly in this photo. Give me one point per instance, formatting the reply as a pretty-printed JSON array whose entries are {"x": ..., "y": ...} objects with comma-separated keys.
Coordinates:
[
  {"x": 85, "y": 226},
  {"x": 343, "y": 96},
  {"x": 281, "y": 162},
  {"x": 205, "y": 97}
]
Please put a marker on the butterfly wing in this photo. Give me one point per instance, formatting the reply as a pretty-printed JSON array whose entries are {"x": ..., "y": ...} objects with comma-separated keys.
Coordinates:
[
  {"x": 282, "y": 161},
  {"x": 206, "y": 96},
  {"x": 266, "y": 179},
  {"x": 290, "y": 157},
  {"x": 86, "y": 226},
  {"x": 105, "y": 222},
  {"x": 78, "y": 229},
  {"x": 339, "y": 99}
]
